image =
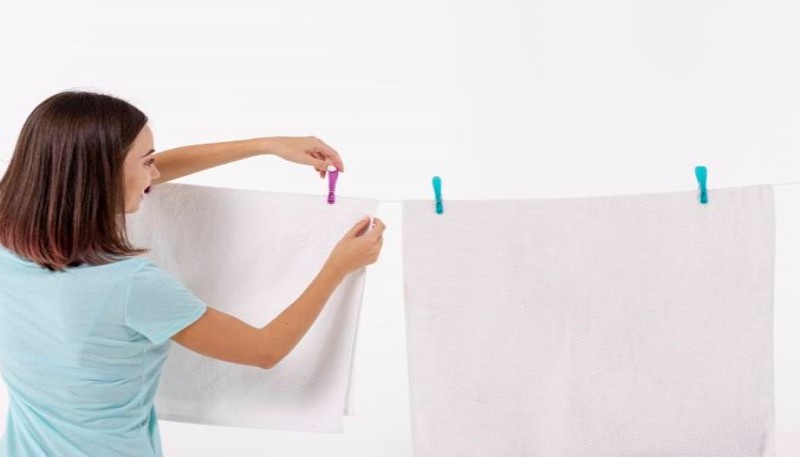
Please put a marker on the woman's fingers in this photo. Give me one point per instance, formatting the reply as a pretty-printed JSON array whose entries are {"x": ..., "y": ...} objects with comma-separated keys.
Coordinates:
[
  {"x": 359, "y": 228},
  {"x": 378, "y": 228},
  {"x": 319, "y": 163},
  {"x": 330, "y": 154}
]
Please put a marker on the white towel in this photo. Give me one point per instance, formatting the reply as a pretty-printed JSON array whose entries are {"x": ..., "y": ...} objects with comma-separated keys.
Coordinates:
[
  {"x": 604, "y": 327},
  {"x": 251, "y": 254}
]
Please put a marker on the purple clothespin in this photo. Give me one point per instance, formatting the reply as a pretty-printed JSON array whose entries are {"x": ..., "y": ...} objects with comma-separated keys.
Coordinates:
[{"x": 333, "y": 175}]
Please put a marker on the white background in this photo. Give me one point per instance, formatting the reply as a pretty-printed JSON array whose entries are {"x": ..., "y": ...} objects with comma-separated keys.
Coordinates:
[{"x": 502, "y": 98}]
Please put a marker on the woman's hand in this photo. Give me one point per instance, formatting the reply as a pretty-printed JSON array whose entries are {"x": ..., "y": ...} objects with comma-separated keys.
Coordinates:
[
  {"x": 358, "y": 248},
  {"x": 306, "y": 150}
]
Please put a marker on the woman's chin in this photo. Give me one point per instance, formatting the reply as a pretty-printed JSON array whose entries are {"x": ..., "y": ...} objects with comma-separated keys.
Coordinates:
[{"x": 133, "y": 209}]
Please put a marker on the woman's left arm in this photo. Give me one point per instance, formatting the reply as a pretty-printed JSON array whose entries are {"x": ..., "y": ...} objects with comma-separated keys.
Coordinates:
[{"x": 186, "y": 160}]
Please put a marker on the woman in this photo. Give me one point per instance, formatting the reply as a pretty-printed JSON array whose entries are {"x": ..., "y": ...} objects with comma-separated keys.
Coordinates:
[{"x": 85, "y": 324}]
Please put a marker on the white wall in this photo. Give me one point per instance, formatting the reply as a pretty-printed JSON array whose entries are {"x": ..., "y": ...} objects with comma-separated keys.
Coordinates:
[{"x": 503, "y": 99}]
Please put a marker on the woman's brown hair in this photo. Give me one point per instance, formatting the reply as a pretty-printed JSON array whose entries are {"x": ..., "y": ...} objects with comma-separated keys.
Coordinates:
[{"x": 62, "y": 201}]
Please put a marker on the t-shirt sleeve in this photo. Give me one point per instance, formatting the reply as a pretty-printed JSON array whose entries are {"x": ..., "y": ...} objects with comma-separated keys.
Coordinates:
[{"x": 158, "y": 305}]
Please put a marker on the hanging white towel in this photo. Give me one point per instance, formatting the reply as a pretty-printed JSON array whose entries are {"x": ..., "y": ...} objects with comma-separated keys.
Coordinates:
[
  {"x": 604, "y": 327},
  {"x": 251, "y": 254}
]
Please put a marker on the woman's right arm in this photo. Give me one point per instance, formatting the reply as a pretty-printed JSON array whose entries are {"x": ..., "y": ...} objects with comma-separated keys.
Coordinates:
[{"x": 222, "y": 336}]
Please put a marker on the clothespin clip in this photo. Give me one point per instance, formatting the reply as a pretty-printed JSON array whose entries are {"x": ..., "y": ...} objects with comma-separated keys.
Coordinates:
[
  {"x": 702, "y": 174},
  {"x": 437, "y": 189},
  {"x": 333, "y": 175}
]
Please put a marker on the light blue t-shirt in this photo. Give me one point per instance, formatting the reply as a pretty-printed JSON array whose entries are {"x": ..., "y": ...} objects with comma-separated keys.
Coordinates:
[{"x": 81, "y": 352}]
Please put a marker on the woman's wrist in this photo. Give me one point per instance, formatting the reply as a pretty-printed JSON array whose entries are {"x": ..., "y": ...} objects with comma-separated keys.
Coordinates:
[
  {"x": 266, "y": 145},
  {"x": 333, "y": 271}
]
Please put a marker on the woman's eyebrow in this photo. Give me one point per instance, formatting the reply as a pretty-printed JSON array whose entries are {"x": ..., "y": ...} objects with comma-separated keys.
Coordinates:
[{"x": 149, "y": 152}]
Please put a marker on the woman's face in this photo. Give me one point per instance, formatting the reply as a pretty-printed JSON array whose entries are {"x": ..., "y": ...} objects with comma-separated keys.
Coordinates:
[{"x": 139, "y": 169}]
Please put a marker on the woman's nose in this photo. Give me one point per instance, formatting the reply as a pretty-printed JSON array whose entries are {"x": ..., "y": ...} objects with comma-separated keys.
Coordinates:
[{"x": 155, "y": 173}]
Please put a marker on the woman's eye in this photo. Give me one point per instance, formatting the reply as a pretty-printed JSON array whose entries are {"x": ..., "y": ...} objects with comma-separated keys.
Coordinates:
[{"x": 150, "y": 162}]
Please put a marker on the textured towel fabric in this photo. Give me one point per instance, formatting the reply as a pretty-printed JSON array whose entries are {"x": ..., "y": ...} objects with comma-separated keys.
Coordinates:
[
  {"x": 605, "y": 327},
  {"x": 251, "y": 254}
]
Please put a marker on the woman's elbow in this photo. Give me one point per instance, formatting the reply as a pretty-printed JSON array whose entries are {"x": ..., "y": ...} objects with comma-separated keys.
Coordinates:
[{"x": 268, "y": 361}]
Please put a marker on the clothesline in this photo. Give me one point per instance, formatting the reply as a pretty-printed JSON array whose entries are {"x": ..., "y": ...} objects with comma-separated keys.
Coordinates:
[
  {"x": 787, "y": 183},
  {"x": 792, "y": 183},
  {"x": 775, "y": 185}
]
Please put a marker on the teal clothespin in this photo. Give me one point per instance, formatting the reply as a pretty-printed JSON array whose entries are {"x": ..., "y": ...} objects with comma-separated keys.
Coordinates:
[
  {"x": 437, "y": 189},
  {"x": 702, "y": 174}
]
